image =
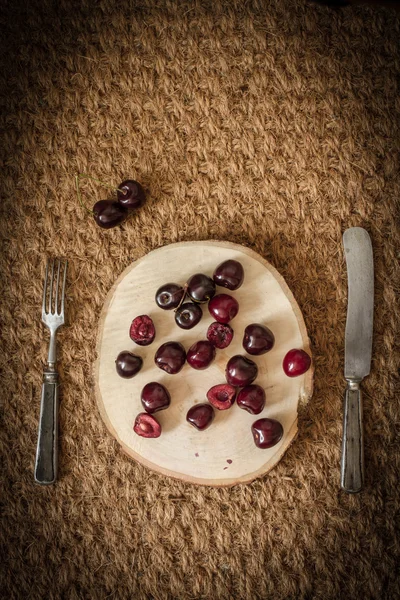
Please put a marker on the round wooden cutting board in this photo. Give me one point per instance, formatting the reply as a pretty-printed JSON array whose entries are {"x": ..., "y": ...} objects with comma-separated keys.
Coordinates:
[{"x": 225, "y": 453}]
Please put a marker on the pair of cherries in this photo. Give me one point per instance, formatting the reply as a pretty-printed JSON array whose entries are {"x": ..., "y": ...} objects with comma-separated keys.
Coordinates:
[{"x": 110, "y": 213}]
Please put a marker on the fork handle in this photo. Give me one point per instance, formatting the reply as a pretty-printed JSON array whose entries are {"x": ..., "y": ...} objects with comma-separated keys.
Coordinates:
[{"x": 47, "y": 445}]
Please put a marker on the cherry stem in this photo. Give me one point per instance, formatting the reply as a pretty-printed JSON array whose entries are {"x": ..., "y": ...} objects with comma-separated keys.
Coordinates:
[
  {"x": 185, "y": 287},
  {"x": 78, "y": 191},
  {"x": 110, "y": 187}
]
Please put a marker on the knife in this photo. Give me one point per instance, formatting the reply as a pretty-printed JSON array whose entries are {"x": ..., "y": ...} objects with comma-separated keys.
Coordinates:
[{"x": 358, "y": 350}]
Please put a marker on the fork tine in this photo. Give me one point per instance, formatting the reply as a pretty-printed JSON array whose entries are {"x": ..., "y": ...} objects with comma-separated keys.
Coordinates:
[
  {"x": 46, "y": 276},
  {"x": 57, "y": 287},
  {"x": 51, "y": 287},
  {"x": 63, "y": 287}
]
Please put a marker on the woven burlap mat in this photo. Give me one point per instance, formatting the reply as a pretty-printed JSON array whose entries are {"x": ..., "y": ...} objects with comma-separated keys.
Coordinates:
[{"x": 274, "y": 124}]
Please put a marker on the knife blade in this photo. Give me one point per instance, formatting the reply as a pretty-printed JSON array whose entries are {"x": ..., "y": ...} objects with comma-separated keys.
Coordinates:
[{"x": 358, "y": 351}]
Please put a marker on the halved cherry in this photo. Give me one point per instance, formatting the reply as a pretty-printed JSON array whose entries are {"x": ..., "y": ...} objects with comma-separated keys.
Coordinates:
[
  {"x": 221, "y": 396},
  {"x": 147, "y": 426}
]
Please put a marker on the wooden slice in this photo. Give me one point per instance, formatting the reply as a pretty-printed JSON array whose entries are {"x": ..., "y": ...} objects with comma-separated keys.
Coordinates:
[{"x": 225, "y": 453}]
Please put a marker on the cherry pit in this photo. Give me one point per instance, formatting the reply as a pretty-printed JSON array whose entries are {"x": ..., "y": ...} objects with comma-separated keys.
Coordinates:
[{"x": 186, "y": 302}]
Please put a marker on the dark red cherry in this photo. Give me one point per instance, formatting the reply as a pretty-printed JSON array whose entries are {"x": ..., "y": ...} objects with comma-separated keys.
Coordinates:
[
  {"x": 147, "y": 426},
  {"x": 229, "y": 274},
  {"x": 109, "y": 213},
  {"x": 130, "y": 194},
  {"x": 220, "y": 335},
  {"x": 257, "y": 339},
  {"x": 296, "y": 362},
  {"x": 223, "y": 308},
  {"x": 128, "y": 364},
  {"x": 266, "y": 432},
  {"x": 252, "y": 399},
  {"x": 188, "y": 315},
  {"x": 200, "y": 288},
  {"x": 200, "y": 416},
  {"x": 221, "y": 396},
  {"x": 169, "y": 295},
  {"x": 155, "y": 397},
  {"x": 201, "y": 354},
  {"x": 170, "y": 357},
  {"x": 240, "y": 371},
  {"x": 142, "y": 330}
]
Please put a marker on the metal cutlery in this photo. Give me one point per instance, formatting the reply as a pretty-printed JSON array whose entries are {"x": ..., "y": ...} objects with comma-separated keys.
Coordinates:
[
  {"x": 358, "y": 350},
  {"x": 53, "y": 317}
]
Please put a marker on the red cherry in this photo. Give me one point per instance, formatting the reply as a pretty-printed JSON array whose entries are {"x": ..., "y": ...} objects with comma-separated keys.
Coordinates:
[
  {"x": 266, "y": 432},
  {"x": 229, "y": 274},
  {"x": 142, "y": 330},
  {"x": 252, "y": 399},
  {"x": 147, "y": 426},
  {"x": 240, "y": 371},
  {"x": 201, "y": 354},
  {"x": 128, "y": 364},
  {"x": 220, "y": 335},
  {"x": 170, "y": 357},
  {"x": 130, "y": 194},
  {"x": 221, "y": 396},
  {"x": 296, "y": 362},
  {"x": 200, "y": 416},
  {"x": 223, "y": 308},
  {"x": 108, "y": 213},
  {"x": 257, "y": 339},
  {"x": 155, "y": 397}
]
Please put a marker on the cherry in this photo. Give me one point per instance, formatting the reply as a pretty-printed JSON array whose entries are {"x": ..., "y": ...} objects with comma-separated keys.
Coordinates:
[
  {"x": 155, "y": 397},
  {"x": 296, "y": 362},
  {"x": 221, "y": 396},
  {"x": 201, "y": 354},
  {"x": 220, "y": 335},
  {"x": 200, "y": 416},
  {"x": 130, "y": 194},
  {"x": 257, "y": 339},
  {"x": 109, "y": 213},
  {"x": 147, "y": 426},
  {"x": 142, "y": 330},
  {"x": 200, "y": 288},
  {"x": 188, "y": 315},
  {"x": 169, "y": 295},
  {"x": 252, "y": 399},
  {"x": 229, "y": 274},
  {"x": 266, "y": 432},
  {"x": 240, "y": 371},
  {"x": 223, "y": 308},
  {"x": 128, "y": 364},
  {"x": 170, "y": 357}
]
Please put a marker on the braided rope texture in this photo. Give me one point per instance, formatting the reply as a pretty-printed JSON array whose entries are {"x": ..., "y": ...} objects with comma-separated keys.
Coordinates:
[{"x": 273, "y": 124}]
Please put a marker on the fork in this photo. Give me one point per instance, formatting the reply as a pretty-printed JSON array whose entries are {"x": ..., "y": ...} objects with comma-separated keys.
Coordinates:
[{"x": 53, "y": 317}]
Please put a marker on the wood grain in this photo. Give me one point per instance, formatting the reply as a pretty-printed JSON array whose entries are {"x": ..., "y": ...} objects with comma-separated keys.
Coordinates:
[{"x": 225, "y": 453}]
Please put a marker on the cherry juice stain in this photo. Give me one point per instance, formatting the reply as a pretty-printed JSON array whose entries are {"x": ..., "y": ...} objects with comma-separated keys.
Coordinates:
[{"x": 197, "y": 454}]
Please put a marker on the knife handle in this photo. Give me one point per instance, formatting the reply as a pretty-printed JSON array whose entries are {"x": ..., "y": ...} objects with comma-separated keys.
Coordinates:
[
  {"x": 352, "y": 463},
  {"x": 47, "y": 444}
]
